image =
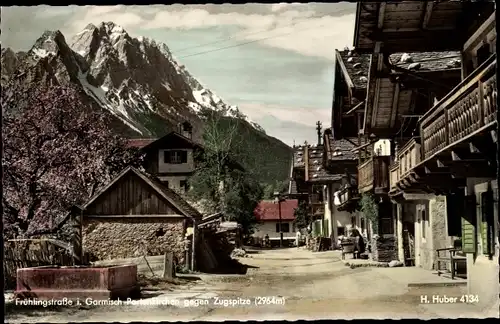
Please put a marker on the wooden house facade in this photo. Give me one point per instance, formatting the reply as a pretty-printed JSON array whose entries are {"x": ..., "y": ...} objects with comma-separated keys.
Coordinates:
[
  {"x": 443, "y": 165},
  {"x": 172, "y": 158}
]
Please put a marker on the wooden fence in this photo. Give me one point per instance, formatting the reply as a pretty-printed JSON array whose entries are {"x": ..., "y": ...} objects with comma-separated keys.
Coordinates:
[{"x": 32, "y": 253}]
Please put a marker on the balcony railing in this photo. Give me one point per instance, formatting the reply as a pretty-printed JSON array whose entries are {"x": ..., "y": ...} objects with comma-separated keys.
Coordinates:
[
  {"x": 347, "y": 194},
  {"x": 468, "y": 107},
  {"x": 407, "y": 158},
  {"x": 373, "y": 174},
  {"x": 394, "y": 174}
]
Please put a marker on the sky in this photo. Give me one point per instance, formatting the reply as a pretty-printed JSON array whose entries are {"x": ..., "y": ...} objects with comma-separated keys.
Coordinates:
[{"x": 274, "y": 61}]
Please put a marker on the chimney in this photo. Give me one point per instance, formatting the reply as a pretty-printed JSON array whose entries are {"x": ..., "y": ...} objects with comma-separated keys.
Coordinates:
[
  {"x": 318, "y": 129},
  {"x": 186, "y": 130}
]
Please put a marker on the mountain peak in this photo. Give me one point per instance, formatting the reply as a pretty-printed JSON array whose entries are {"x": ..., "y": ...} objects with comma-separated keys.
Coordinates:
[
  {"x": 110, "y": 28},
  {"x": 50, "y": 43}
]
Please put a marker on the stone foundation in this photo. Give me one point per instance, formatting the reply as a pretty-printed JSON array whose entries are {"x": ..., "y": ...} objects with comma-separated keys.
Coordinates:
[
  {"x": 384, "y": 249},
  {"x": 117, "y": 238}
]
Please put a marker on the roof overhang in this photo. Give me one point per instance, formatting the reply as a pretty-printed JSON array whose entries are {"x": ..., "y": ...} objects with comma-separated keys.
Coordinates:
[
  {"x": 343, "y": 69},
  {"x": 416, "y": 26}
]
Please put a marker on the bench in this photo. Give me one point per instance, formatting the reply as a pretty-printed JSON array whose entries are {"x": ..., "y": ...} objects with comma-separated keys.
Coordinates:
[{"x": 450, "y": 256}]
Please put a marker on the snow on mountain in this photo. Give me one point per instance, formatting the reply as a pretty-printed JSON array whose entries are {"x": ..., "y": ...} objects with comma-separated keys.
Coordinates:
[
  {"x": 135, "y": 79},
  {"x": 140, "y": 85}
]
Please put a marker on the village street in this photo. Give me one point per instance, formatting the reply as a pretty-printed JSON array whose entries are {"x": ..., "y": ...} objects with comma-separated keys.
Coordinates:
[{"x": 312, "y": 285}]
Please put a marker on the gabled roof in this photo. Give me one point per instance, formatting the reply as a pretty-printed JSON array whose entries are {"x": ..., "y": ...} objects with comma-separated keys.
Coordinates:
[
  {"x": 140, "y": 142},
  {"x": 268, "y": 210},
  {"x": 165, "y": 139},
  {"x": 354, "y": 67},
  {"x": 168, "y": 194},
  {"x": 147, "y": 144}
]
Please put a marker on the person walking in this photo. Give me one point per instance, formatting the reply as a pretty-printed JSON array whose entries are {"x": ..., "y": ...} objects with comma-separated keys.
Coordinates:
[{"x": 297, "y": 238}]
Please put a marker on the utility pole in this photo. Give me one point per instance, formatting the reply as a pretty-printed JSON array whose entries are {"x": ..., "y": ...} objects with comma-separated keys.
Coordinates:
[
  {"x": 278, "y": 200},
  {"x": 318, "y": 130}
]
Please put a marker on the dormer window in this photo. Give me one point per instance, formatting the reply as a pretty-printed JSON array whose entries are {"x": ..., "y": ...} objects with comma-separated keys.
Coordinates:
[{"x": 175, "y": 157}]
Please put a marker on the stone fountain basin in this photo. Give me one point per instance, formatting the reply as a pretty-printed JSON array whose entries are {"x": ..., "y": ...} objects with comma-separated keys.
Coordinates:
[{"x": 77, "y": 282}]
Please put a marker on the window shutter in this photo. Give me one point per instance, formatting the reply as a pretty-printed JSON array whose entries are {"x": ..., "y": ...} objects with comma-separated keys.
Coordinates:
[
  {"x": 487, "y": 222},
  {"x": 469, "y": 225},
  {"x": 455, "y": 209},
  {"x": 184, "y": 156}
]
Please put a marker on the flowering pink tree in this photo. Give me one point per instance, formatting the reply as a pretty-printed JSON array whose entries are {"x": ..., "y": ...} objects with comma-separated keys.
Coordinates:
[{"x": 56, "y": 152}]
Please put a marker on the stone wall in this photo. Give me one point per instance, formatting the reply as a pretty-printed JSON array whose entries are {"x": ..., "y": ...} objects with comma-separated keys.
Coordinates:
[
  {"x": 128, "y": 238},
  {"x": 384, "y": 249},
  {"x": 437, "y": 235}
]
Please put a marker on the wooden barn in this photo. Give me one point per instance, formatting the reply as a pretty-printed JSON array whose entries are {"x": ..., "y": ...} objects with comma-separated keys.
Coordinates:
[{"x": 135, "y": 215}]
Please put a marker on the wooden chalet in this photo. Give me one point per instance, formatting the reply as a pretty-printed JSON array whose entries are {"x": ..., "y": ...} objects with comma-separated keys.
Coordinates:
[
  {"x": 343, "y": 139},
  {"x": 453, "y": 149},
  {"x": 174, "y": 157},
  {"x": 342, "y": 159}
]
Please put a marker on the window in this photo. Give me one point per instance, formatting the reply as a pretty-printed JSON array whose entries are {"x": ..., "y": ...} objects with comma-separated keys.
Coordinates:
[
  {"x": 285, "y": 227},
  {"x": 165, "y": 183},
  {"x": 423, "y": 220},
  {"x": 184, "y": 185},
  {"x": 386, "y": 225},
  {"x": 455, "y": 207},
  {"x": 386, "y": 221},
  {"x": 353, "y": 221},
  {"x": 340, "y": 231},
  {"x": 175, "y": 157}
]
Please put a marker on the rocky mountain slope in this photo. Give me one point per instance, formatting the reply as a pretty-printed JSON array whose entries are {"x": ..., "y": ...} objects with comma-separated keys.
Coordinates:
[{"x": 140, "y": 84}]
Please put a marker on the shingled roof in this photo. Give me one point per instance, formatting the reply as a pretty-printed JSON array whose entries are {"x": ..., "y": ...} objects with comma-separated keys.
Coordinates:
[
  {"x": 356, "y": 66},
  {"x": 341, "y": 149},
  {"x": 430, "y": 61},
  {"x": 315, "y": 169},
  {"x": 298, "y": 156}
]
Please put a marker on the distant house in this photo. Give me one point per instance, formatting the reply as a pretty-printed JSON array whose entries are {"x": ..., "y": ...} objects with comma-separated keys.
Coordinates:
[
  {"x": 171, "y": 158},
  {"x": 268, "y": 216},
  {"x": 135, "y": 215}
]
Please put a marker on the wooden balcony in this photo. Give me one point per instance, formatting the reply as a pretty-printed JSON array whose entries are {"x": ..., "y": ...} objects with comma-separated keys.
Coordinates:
[
  {"x": 468, "y": 110},
  {"x": 408, "y": 157},
  {"x": 458, "y": 138},
  {"x": 348, "y": 198},
  {"x": 373, "y": 175},
  {"x": 394, "y": 175}
]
